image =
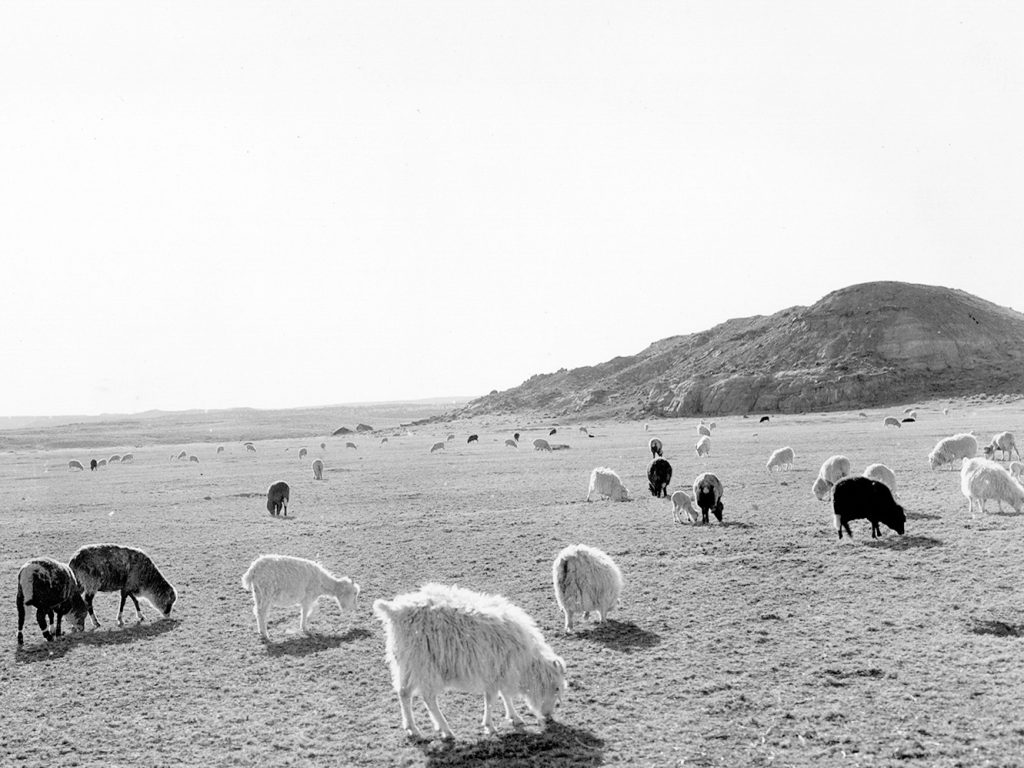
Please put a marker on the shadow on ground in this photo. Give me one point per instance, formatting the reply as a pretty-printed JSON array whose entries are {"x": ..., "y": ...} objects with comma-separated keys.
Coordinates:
[
  {"x": 922, "y": 516},
  {"x": 114, "y": 635},
  {"x": 303, "y": 645},
  {"x": 900, "y": 543},
  {"x": 997, "y": 628},
  {"x": 622, "y": 636},
  {"x": 558, "y": 745}
]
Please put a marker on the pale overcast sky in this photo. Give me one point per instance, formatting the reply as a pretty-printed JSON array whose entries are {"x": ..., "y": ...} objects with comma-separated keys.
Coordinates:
[{"x": 282, "y": 204}]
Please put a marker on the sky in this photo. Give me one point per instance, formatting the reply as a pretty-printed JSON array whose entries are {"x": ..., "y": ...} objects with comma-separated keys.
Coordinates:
[{"x": 208, "y": 205}]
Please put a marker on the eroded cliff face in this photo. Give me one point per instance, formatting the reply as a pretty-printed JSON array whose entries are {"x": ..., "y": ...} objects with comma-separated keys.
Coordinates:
[{"x": 862, "y": 346}]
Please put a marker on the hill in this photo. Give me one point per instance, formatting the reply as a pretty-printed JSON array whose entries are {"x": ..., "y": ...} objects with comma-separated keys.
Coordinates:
[{"x": 867, "y": 345}]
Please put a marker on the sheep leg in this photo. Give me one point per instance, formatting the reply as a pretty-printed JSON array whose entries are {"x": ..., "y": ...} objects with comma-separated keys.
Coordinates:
[
  {"x": 136, "y": 603},
  {"x": 600, "y": 616},
  {"x": 405, "y": 703},
  {"x": 846, "y": 525},
  {"x": 306, "y": 612},
  {"x": 20, "y": 601},
  {"x": 120, "y": 610},
  {"x": 440, "y": 724},
  {"x": 59, "y": 631},
  {"x": 88, "y": 604},
  {"x": 261, "y": 618},
  {"x": 41, "y": 621},
  {"x": 568, "y": 619},
  {"x": 510, "y": 709},
  {"x": 490, "y": 699}
]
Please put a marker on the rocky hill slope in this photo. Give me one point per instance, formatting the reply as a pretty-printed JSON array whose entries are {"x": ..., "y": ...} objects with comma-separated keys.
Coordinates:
[{"x": 866, "y": 345}]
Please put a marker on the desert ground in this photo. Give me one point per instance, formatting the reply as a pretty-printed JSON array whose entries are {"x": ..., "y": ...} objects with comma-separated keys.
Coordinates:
[{"x": 759, "y": 641}]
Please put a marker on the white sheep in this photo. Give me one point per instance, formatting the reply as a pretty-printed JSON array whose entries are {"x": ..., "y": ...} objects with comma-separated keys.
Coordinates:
[
  {"x": 115, "y": 459},
  {"x": 882, "y": 474},
  {"x": 449, "y": 638},
  {"x": 220, "y": 449},
  {"x": 1016, "y": 468},
  {"x": 782, "y": 458},
  {"x": 302, "y": 453},
  {"x": 451, "y": 436},
  {"x": 951, "y": 449},
  {"x": 101, "y": 463},
  {"x": 681, "y": 502},
  {"x": 834, "y": 469},
  {"x": 510, "y": 443},
  {"x": 586, "y": 579},
  {"x": 318, "y": 469},
  {"x": 891, "y": 421},
  {"x": 284, "y": 581},
  {"x": 128, "y": 458},
  {"x": 75, "y": 464},
  {"x": 704, "y": 430},
  {"x": 712, "y": 425},
  {"x": 605, "y": 482},
  {"x": 1005, "y": 443},
  {"x": 194, "y": 459},
  {"x": 438, "y": 446},
  {"x": 982, "y": 480},
  {"x": 585, "y": 431},
  {"x": 350, "y": 444},
  {"x": 703, "y": 446},
  {"x": 249, "y": 447},
  {"x": 540, "y": 444}
]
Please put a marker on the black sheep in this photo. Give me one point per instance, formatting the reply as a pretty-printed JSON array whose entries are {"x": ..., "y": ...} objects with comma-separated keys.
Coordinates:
[
  {"x": 472, "y": 439},
  {"x": 857, "y": 498},
  {"x": 51, "y": 588},
  {"x": 659, "y": 474},
  {"x": 707, "y": 493}
]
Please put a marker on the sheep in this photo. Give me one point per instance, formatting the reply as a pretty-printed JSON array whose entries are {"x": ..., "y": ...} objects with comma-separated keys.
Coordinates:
[
  {"x": 712, "y": 425},
  {"x": 707, "y": 494},
  {"x": 220, "y": 449},
  {"x": 323, "y": 446},
  {"x": 277, "y": 498},
  {"x": 318, "y": 469},
  {"x": 945, "y": 411},
  {"x": 128, "y": 458},
  {"x": 585, "y": 579},
  {"x": 703, "y": 446},
  {"x": 182, "y": 455},
  {"x": 681, "y": 502},
  {"x": 110, "y": 567},
  {"x": 52, "y": 589},
  {"x": 75, "y": 464},
  {"x": 763, "y": 419},
  {"x": 782, "y": 458},
  {"x": 949, "y": 449},
  {"x": 115, "y": 459},
  {"x": 908, "y": 409},
  {"x": 656, "y": 447},
  {"x": 703, "y": 431},
  {"x": 438, "y": 446},
  {"x": 832, "y": 470},
  {"x": 451, "y": 436},
  {"x": 585, "y": 431},
  {"x": 605, "y": 482},
  {"x": 1005, "y": 443},
  {"x": 284, "y": 581},
  {"x": 659, "y": 475},
  {"x": 92, "y": 465},
  {"x": 540, "y": 444},
  {"x": 101, "y": 463},
  {"x": 1015, "y": 469},
  {"x": 194, "y": 459},
  {"x": 882, "y": 474},
  {"x": 516, "y": 437},
  {"x": 250, "y": 448},
  {"x": 857, "y": 498},
  {"x": 982, "y": 480},
  {"x": 647, "y": 427},
  {"x": 446, "y": 637},
  {"x": 472, "y": 439},
  {"x": 553, "y": 431},
  {"x": 383, "y": 441},
  {"x": 350, "y": 444},
  {"x": 510, "y": 443},
  {"x": 891, "y": 421},
  {"x": 302, "y": 453},
  {"x": 912, "y": 415}
]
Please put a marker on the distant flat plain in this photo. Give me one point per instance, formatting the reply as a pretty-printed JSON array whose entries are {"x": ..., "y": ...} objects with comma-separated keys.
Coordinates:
[{"x": 760, "y": 641}]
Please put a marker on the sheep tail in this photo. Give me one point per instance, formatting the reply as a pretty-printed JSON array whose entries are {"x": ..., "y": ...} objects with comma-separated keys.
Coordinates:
[{"x": 247, "y": 579}]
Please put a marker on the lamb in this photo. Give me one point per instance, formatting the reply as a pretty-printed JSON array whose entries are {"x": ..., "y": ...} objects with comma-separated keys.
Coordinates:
[
  {"x": 659, "y": 475},
  {"x": 857, "y": 498},
  {"x": 445, "y": 637},
  {"x": 285, "y": 581},
  {"x": 891, "y": 421},
  {"x": 53, "y": 590},
  {"x": 75, "y": 464},
  {"x": 540, "y": 444},
  {"x": 472, "y": 439},
  {"x": 703, "y": 446},
  {"x": 882, "y": 474},
  {"x": 703, "y": 431},
  {"x": 782, "y": 458},
  {"x": 1005, "y": 443},
  {"x": 605, "y": 482},
  {"x": 110, "y": 567},
  {"x": 950, "y": 449},
  {"x": 832, "y": 470},
  {"x": 1015, "y": 469},
  {"x": 438, "y": 446},
  {"x": 982, "y": 480},
  {"x": 586, "y": 579},
  {"x": 277, "y": 498},
  {"x": 681, "y": 502},
  {"x": 510, "y": 443},
  {"x": 707, "y": 493},
  {"x": 302, "y": 453},
  {"x": 656, "y": 447},
  {"x": 318, "y": 469}
]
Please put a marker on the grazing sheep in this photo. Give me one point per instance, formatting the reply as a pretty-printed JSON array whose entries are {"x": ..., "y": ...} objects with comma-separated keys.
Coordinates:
[
  {"x": 510, "y": 443},
  {"x": 945, "y": 411},
  {"x": 128, "y": 458},
  {"x": 908, "y": 409},
  {"x": 250, "y": 448},
  {"x": 383, "y": 441},
  {"x": 351, "y": 445},
  {"x": 318, "y": 469},
  {"x": 285, "y": 581},
  {"x": 585, "y": 431},
  {"x": 302, "y": 453},
  {"x": 540, "y": 444},
  {"x": 586, "y": 579},
  {"x": 449, "y": 638},
  {"x": 707, "y": 494},
  {"x": 323, "y": 446},
  {"x": 891, "y": 421},
  {"x": 703, "y": 446},
  {"x": 194, "y": 458},
  {"x": 703, "y": 431},
  {"x": 1005, "y": 443},
  {"x": 763, "y": 419},
  {"x": 982, "y": 480},
  {"x": 646, "y": 427},
  {"x": 115, "y": 459},
  {"x": 75, "y": 464},
  {"x": 109, "y": 567},
  {"x": 605, "y": 482},
  {"x": 1015, "y": 469},
  {"x": 516, "y": 437},
  {"x": 472, "y": 439},
  {"x": 438, "y": 446},
  {"x": 52, "y": 589},
  {"x": 859, "y": 498},
  {"x": 782, "y": 458},
  {"x": 712, "y": 425},
  {"x": 220, "y": 449},
  {"x": 882, "y": 474},
  {"x": 92, "y": 465},
  {"x": 950, "y": 449},
  {"x": 182, "y": 455},
  {"x": 656, "y": 447},
  {"x": 553, "y": 431},
  {"x": 277, "y": 498},
  {"x": 832, "y": 471},
  {"x": 451, "y": 436},
  {"x": 659, "y": 475},
  {"x": 681, "y": 502},
  {"x": 913, "y": 415},
  {"x": 101, "y": 463}
]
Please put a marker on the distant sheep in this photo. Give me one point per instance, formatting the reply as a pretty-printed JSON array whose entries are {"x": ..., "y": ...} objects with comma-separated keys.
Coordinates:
[
  {"x": 656, "y": 447},
  {"x": 763, "y": 419},
  {"x": 553, "y": 431},
  {"x": 782, "y": 458},
  {"x": 559, "y": 447},
  {"x": 913, "y": 415},
  {"x": 92, "y": 465},
  {"x": 250, "y": 448},
  {"x": 101, "y": 463},
  {"x": 605, "y": 482},
  {"x": 443, "y": 638},
  {"x": 908, "y": 409},
  {"x": 882, "y": 474},
  {"x": 128, "y": 458},
  {"x": 383, "y": 441},
  {"x": 220, "y": 449},
  {"x": 585, "y": 579},
  {"x": 952, "y": 449},
  {"x": 451, "y": 436},
  {"x": 194, "y": 459},
  {"x": 323, "y": 446},
  {"x": 585, "y": 431},
  {"x": 891, "y": 421},
  {"x": 707, "y": 494},
  {"x": 659, "y": 475},
  {"x": 350, "y": 444},
  {"x": 510, "y": 443},
  {"x": 540, "y": 444},
  {"x": 516, "y": 437},
  {"x": 302, "y": 453},
  {"x": 704, "y": 431},
  {"x": 681, "y": 502},
  {"x": 703, "y": 446},
  {"x": 115, "y": 459},
  {"x": 983, "y": 480},
  {"x": 52, "y": 589},
  {"x": 945, "y": 411},
  {"x": 183, "y": 455},
  {"x": 1005, "y": 443},
  {"x": 111, "y": 568},
  {"x": 712, "y": 425},
  {"x": 281, "y": 580},
  {"x": 859, "y": 498},
  {"x": 75, "y": 464},
  {"x": 318, "y": 469},
  {"x": 472, "y": 439},
  {"x": 438, "y": 446},
  {"x": 277, "y": 498},
  {"x": 1015, "y": 469},
  {"x": 832, "y": 471}
]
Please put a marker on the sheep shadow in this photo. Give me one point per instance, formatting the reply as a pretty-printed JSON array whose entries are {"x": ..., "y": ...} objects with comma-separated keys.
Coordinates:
[
  {"x": 104, "y": 636},
  {"x": 997, "y": 628},
  {"x": 624, "y": 636},
  {"x": 304, "y": 645},
  {"x": 900, "y": 543},
  {"x": 922, "y": 516},
  {"x": 557, "y": 745}
]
